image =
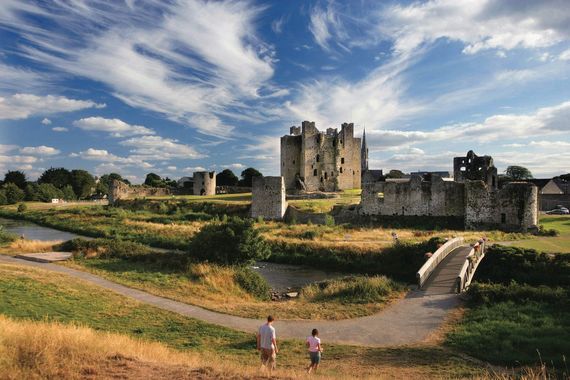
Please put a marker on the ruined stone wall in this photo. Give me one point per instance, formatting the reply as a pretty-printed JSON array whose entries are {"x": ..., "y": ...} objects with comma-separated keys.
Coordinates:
[
  {"x": 120, "y": 190},
  {"x": 513, "y": 208},
  {"x": 204, "y": 183},
  {"x": 268, "y": 198},
  {"x": 326, "y": 161},
  {"x": 416, "y": 197},
  {"x": 475, "y": 168}
]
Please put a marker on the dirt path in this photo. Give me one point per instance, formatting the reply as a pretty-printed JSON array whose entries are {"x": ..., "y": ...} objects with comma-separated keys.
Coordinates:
[{"x": 410, "y": 320}]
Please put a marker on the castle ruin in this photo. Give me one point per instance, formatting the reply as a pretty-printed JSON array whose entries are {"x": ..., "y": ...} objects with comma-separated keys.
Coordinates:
[
  {"x": 321, "y": 161},
  {"x": 204, "y": 183},
  {"x": 268, "y": 198},
  {"x": 473, "y": 196}
]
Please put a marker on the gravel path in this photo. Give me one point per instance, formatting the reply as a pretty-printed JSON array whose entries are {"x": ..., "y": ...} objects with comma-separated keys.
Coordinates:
[{"x": 410, "y": 320}]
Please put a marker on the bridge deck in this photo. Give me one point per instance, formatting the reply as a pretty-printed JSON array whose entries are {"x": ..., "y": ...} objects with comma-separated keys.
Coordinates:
[{"x": 442, "y": 280}]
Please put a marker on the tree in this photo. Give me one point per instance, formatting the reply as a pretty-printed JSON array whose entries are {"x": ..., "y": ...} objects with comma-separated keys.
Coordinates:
[
  {"x": 13, "y": 193},
  {"x": 82, "y": 183},
  {"x": 68, "y": 193},
  {"x": 3, "y": 199},
  {"x": 394, "y": 173},
  {"x": 16, "y": 177},
  {"x": 59, "y": 177},
  {"x": 247, "y": 177},
  {"x": 518, "y": 173},
  {"x": 31, "y": 191},
  {"x": 45, "y": 192},
  {"x": 564, "y": 177},
  {"x": 153, "y": 180},
  {"x": 105, "y": 182},
  {"x": 226, "y": 178}
]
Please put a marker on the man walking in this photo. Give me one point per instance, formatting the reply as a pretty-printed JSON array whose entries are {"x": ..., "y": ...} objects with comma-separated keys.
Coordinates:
[{"x": 267, "y": 345}]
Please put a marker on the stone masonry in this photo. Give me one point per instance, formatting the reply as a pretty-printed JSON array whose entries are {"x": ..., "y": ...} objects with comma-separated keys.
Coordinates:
[
  {"x": 473, "y": 195},
  {"x": 204, "y": 183},
  {"x": 321, "y": 161},
  {"x": 268, "y": 198},
  {"x": 120, "y": 190}
]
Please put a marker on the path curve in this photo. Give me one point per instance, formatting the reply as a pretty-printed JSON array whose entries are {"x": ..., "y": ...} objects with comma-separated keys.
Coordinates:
[{"x": 408, "y": 321}]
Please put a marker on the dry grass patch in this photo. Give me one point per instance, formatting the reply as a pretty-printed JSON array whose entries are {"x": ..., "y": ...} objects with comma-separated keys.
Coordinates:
[{"x": 28, "y": 246}]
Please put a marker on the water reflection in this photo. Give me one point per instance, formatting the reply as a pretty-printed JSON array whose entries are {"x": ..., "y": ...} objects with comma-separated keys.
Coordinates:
[{"x": 32, "y": 231}]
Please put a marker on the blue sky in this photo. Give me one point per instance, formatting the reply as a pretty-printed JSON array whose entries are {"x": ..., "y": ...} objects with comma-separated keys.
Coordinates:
[{"x": 177, "y": 86}]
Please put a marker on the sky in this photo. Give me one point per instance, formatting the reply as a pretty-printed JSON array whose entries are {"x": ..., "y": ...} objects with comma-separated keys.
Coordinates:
[{"x": 172, "y": 87}]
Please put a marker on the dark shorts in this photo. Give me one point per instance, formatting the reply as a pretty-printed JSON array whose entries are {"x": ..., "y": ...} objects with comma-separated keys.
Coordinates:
[
  {"x": 268, "y": 357},
  {"x": 315, "y": 357}
]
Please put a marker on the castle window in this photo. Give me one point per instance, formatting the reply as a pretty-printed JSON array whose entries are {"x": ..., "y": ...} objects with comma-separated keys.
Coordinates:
[
  {"x": 326, "y": 175},
  {"x": 332, "y": 174},
  {"x": 342, "y": 160},
  {"x": 293, "y": 162},
  {"x": 315, "y": 172},
  {"x": 503, "y": 218},
  {"x": 318, "y": 158},
  {"x": 321, "y": 179},
  {"x": 284, "y": 163},
  {"x": 341, "y": 169}
]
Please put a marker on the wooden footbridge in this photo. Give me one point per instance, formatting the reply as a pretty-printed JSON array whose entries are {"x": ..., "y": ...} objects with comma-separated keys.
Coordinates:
[{"x": 451, "y": 268}]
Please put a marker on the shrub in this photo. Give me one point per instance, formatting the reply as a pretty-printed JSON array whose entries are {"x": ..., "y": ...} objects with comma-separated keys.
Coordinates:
[
  {"x": 253, "y": 283},
  {"x": 310, "y": 235},
  {"x": 22, "y": 207},
  {"x": 547, "y": 231},
  {"x": 489, "y": 293},
  {"x": 352, "y": 289},
  {"x": 105, "y": 248},
  {"x": 6, "y": 237},
  {"x": 329, "y": 220},
  {"x": 235, "y": 241},
  {"x": 3, "y": 199},
  {"x": 505, "y": 264}
]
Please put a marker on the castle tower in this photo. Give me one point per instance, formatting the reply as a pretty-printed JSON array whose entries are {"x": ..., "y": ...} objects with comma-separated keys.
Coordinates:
[{"x": 364, "y": 154}]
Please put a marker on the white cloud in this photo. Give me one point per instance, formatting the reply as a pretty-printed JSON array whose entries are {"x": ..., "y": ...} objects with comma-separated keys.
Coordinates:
[
  {"x": 565, "y": 55},
  {"x": 190, "y": 60},
  {"x": 41, "y": 150},
  {"x": 236, "y": 166},
  {"x": 22, "y": 106},
  {"x": 5, "y": 148},
  {"x": 46, "y": 121},
  {"x": 59, "y": 129},
  {"x": 479, "y": 25},
  {"x": 325, "y": 25},
  {"x": 116, "y": 127},
  {"x": 192, "y": 169},
  {"x": 16, "y": 159},
  {"x": 159, "y": 148}
]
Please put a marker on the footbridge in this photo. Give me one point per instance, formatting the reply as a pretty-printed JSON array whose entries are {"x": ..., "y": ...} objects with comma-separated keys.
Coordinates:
[{"x": 451, "y": 268}]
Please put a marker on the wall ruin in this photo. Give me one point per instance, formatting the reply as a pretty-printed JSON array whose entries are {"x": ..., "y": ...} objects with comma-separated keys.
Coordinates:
[
  {"x": 120, "y": 190},
  {"x": 268, "y": 198},
  {"x": 204, "y": 183},
  {"x": 323, "y": 161}
]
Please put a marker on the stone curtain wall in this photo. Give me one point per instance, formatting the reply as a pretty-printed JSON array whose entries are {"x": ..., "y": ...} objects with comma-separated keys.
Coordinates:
[
  {"x": 204, "y": 183},
  {"x": 513, "y": 208},
  {"x": 268, "y": 198},
  {"x": 120, "y": 190},
  {"x": 416, "y": 197}
]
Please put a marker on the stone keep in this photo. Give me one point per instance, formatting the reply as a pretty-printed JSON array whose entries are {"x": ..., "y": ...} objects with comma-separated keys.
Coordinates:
[
  {"x": 268, "y": 198},
  {"x": 323, "y": 161},
  {"x": 120, "y": 190},
  {"x": 204, "y": 183}
]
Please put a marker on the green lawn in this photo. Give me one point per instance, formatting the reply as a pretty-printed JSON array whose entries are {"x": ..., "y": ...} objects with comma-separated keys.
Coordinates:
[
  {"x": 34, "y": 294},
  {"x": 558, "y": 244}
]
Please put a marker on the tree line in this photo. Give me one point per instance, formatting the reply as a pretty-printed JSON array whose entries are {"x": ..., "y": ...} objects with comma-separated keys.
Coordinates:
[{"x": 70, "y": 185}]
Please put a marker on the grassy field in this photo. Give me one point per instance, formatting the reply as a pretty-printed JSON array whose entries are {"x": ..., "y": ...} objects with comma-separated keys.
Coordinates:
[
  {"x": 32, "y": 294},
  {"x": 214, "y": 287},
  {"x": 556, "y": 244}
]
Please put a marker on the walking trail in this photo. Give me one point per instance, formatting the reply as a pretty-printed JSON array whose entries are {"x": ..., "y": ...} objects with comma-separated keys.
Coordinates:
[{"x": 407, "y": 321}]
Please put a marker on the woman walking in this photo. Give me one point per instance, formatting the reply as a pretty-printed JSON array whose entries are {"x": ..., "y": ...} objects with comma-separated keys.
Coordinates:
[{"x": 315, "y": 349}]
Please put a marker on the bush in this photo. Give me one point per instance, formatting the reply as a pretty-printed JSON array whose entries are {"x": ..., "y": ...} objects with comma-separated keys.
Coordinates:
[
  {"x": 253, "y": 283},
  {"x": 234, "y": 241},
  {"x": 352, "y": 289},
  {"x": 6, "y": 237},
  {"x": 310, "y": 235},
  {"x": 329, "y": 220},
  {"x": 3, "y": 199},
  {"x": 488, "y": 293},
  {"x": 505, "y": 264},
  {"x": 22, "y": 207},
  {"x": 105, "y": 248},
  {"x": 13, "y": 193},
  {"x": 547, "y": 231}
]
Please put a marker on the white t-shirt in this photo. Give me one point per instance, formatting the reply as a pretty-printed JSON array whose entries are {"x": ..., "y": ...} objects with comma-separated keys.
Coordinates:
[
  {"x": 266, "y": 334},
  {"x": 314, "y": 343}
]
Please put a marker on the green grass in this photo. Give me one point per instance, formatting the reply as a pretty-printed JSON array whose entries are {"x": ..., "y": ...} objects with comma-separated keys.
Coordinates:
[
  {"x": 557, "y": 244},
  {"x": 218, "y": 198},
  {"x": 34, "y": 294}
]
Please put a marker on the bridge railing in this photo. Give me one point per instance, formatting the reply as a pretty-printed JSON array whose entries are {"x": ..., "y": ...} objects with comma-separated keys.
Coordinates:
[
  {"x": 470, "y": 265},
  {"x": 426, "y": 270}
]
